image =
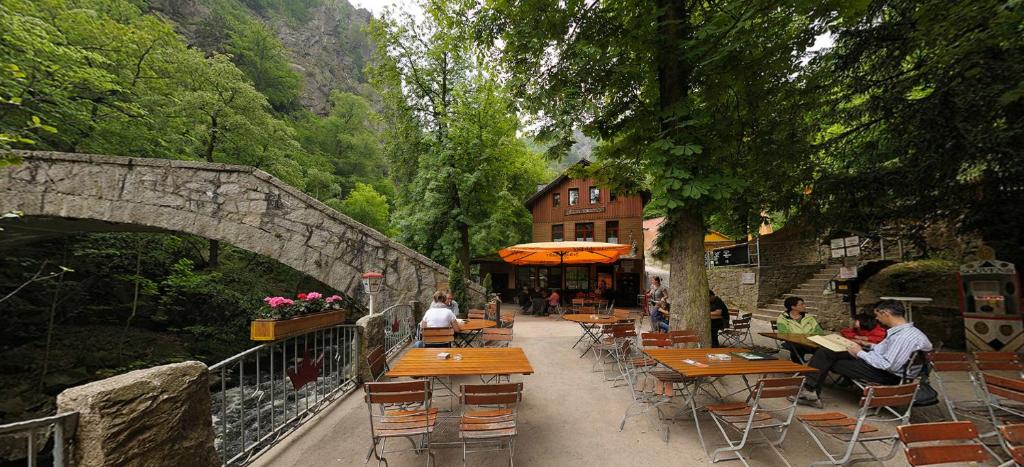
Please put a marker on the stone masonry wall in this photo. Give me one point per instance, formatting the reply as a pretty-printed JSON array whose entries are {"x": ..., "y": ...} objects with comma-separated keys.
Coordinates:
[
  {"x": 242, "y": 206},
  {"x": 726, "y": 282},
  {"x": 774, "y": 281}
]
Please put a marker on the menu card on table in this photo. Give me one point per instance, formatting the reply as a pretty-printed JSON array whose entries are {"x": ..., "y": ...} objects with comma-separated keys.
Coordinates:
[{"x": 833, "y": 342}]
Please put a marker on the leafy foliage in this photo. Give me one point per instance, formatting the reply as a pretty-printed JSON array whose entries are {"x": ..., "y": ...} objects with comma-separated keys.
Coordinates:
[
  {"x": 259, "y": 53},
  {"x": 457, "y": 285},
  {"x": 367, "y": 206}
]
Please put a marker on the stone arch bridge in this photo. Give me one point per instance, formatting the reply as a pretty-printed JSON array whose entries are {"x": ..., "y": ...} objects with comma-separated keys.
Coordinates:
[{"x": 61, "y": 193}]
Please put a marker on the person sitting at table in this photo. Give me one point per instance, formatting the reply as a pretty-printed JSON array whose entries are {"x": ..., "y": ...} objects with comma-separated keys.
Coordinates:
[
  {"x": 654, "y": 296},
  {"x": 865, "y": 331},
  {"x": 452, "y": 303},
  {"x": 536, "y": 302},
  {"x": 553, "y": 301},
  {"x": 884, "y": 364},
  {"x": 719, "y": 315},
  {"x": 439, "y": 315},
  {"x": 795, "y": 321},
  {"x": 665, "y": 308},
  {"x": 524, "y": 299}
]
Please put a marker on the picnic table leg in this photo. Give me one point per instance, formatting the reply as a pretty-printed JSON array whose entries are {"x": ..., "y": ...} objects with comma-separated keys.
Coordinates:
[
  {"x": 594, "y": 340},
  {"x": 693, "y": 390},
  {"x": 585, "y": 332}
]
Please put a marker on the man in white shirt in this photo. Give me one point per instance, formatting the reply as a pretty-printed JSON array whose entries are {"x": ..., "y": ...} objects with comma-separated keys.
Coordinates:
[{"x": 439, "y": 315}]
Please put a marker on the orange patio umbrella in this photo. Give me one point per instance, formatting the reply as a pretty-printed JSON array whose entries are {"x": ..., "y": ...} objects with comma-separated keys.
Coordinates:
[{"x": 559, "y": 253}]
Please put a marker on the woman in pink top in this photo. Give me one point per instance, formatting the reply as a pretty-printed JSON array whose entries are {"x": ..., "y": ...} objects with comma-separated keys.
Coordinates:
[{"x": 553, "y": 301}]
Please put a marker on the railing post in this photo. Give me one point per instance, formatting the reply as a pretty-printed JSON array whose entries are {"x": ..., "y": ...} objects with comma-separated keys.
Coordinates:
[
  {"x": 881, "y": 246},
  {"x": 371, "y": 334}
]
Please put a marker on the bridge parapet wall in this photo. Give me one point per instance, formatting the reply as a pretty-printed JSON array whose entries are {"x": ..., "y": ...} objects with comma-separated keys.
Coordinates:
[{"x": 240, "y": 205}]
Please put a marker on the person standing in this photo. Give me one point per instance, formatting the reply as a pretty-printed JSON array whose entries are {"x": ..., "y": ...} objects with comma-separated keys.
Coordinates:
[
  {"x": 795, "y": 321},
  {"x": 719, "y": 314},
  {"x": 654, "y": 297}
]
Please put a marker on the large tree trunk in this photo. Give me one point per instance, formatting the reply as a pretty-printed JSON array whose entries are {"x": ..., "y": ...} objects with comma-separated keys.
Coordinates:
[
  {"x": 688, "y": 287},
  {"x": 688, "y": 284}
]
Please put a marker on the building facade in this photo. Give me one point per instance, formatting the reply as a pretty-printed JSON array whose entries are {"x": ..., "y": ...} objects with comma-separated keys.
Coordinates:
[{"x": 569, "y": 209}]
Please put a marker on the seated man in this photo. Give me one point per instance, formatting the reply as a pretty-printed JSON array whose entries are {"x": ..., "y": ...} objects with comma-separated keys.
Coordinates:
[
  {"x": 439, "y": 315},
  {"x": 883, "y": 364}
]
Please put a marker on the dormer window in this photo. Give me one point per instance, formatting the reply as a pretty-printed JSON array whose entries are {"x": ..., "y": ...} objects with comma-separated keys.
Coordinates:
[
  {"x": 574, "y": 196},
  {"x": 595, "y": 195},
  {"x": 556, "y": 199}
]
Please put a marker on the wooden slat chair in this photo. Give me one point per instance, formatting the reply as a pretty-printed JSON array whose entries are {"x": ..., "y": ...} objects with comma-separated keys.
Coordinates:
[
  {"x": 415, "y": 421},
  {"x": 438, "y": 337},
  {"x": 942, "y": 443},
  {"x": 858, "y": 431},
  {"x": 610, "y": 344},
  {"x": 577, "y": 305},
  {"x": 496, "y": 337},
  {"x": 953, "y": 373},
  {"x": 489, "y": 426},
  {"x": 508, "y": 318},
  {"x": 645, "y": 395},
  {"x": 684, "y": 338},
  {"x": 476, "y": 314},
  {"x": 1014, "y": 436},
  {"x": 738, "y": 333},
  {"x": 746, "y": 418},
  {"x": 1005, "y": 401},
  {"x": 377, "y": 362},
  {"x": 999, "y": 363}
]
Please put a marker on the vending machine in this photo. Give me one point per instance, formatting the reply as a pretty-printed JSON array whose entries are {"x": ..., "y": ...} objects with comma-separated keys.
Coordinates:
[{"x": 990, "y": 304}]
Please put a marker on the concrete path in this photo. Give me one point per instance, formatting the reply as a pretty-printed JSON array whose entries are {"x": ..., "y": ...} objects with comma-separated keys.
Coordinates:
[{"x": 569, "y": 417}]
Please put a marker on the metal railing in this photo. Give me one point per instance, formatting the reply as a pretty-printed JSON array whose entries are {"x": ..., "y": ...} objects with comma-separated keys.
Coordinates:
[
  {"x": 399, "y": 328},
  {"x": 37, "y": 434},
  {"x": 255, "y": 402}
]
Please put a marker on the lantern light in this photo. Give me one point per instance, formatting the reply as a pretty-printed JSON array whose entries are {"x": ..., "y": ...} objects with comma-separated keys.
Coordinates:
[{"x": 373, "y": 282}]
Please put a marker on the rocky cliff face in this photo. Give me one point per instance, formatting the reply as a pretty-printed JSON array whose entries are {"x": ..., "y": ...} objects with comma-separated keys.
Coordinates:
[{"x": 329, "y": 49}]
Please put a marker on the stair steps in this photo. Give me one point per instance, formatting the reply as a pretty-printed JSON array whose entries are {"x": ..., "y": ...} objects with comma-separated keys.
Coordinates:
[{"x": 810, "y": 290}]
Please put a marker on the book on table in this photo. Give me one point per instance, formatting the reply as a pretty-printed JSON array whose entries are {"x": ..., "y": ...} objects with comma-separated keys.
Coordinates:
[
  {"x": 833, "y": 342},
  {"x": 754, "y": 356}
]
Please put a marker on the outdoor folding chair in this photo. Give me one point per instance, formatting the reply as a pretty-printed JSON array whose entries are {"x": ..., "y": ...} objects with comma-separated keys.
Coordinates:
[
  {"x": 947, "y": 442},
  {"x": 747, "y": 417},
  {"x": 492, "y": 426},
  {"x": 609, "y": 346},
  {"x": 1014, "y": 436},
  {"x": 636, "y": 367},
  {"x": 495, "y": 338},
  {"x": 476, "y": 314},
  {"x": 915, "y": 368},
  {"x": 951, "y": 371},
  {"x": 415, "y": 421},
  {"x": 377, "y": 362},
  {"x": 858, "y": 431},
  {"x": 1005, "y": 401},
  {"x": 1008, "y": 362},
  {"x": 683, "y": 338},
  {"x": 508, "y": 318},
  {"x": 438, "y": 337},
  {"x": 738, "y": 334}
]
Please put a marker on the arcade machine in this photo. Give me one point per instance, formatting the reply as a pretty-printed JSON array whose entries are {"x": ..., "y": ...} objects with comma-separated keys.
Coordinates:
[{"x": 990, "y": 304}]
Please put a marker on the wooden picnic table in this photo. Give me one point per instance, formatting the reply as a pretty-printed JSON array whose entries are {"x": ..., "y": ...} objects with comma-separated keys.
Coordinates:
[
  {"x": 736, "y": 366},
  {"x": 470, "y": 329},
  {"x": 423, "y": 363}
]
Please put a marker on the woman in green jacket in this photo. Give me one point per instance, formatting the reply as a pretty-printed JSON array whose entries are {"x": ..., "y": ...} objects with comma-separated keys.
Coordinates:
[{"x": 795, "y": 321}]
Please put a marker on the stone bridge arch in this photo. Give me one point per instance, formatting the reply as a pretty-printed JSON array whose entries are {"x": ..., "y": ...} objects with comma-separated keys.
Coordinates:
[{"x": 240, "y": 205}]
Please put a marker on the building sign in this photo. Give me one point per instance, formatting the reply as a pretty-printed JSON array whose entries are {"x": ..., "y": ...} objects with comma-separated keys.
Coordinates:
[
  {"x": 849, "y": 246},
  {"x": 736, "y": 254},
  {"x": 572, "y": 211}
]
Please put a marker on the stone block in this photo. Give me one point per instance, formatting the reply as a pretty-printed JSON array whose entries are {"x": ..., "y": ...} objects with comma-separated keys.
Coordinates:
[
  {"x": 371, "y": 334},
  {"x": 159, "y": 416}
]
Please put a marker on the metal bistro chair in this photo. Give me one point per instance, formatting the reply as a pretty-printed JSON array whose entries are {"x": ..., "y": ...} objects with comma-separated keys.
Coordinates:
[
  {"x": 414, "y": 422},
  {"x": 858, "y": 431},
  {"x": 953, "y": 370},
  {"x": 489, "y": 426},
  {"x": 738, "y": 334},
  {"x": 747, "y": 417},
  {"x": 1005, "y": 401},
  {"x": 942, "y": 443}
]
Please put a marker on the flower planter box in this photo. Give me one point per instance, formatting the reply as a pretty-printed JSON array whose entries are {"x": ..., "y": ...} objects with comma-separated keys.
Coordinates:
[{"x": 277, "y": 329}]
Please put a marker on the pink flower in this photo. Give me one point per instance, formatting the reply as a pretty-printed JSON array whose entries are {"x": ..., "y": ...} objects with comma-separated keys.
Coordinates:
[
  {"x": 333, "y": 298},
  {"x": 276, "y": 302},
  {"x": 313, "y": 295}
]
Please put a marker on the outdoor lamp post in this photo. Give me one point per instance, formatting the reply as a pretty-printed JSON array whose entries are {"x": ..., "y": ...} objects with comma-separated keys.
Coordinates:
[{"x": 372, "y": 283}]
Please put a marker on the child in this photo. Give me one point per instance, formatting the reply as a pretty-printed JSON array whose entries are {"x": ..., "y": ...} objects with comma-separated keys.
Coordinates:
[{"x": 865, "y": 330}]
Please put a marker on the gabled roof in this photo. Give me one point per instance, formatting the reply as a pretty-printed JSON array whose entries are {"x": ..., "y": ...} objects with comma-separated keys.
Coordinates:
[
  {"x": 644, "y": 195},
  {"x": 554, "y": 183}
]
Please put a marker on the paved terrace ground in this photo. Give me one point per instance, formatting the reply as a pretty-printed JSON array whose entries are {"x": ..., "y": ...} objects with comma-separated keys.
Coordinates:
[{"x": 569, "y": 416}]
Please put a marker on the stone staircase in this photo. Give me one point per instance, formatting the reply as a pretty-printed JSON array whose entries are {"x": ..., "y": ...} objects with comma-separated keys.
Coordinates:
[{"x": 810, "y": 291}]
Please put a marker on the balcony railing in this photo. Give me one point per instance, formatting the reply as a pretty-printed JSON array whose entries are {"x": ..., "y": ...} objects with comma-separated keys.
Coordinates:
[
  {"x": 254, "y": 400},
  {"x": 37, "y": 434},
  {"x": 399, "y": 328}
]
